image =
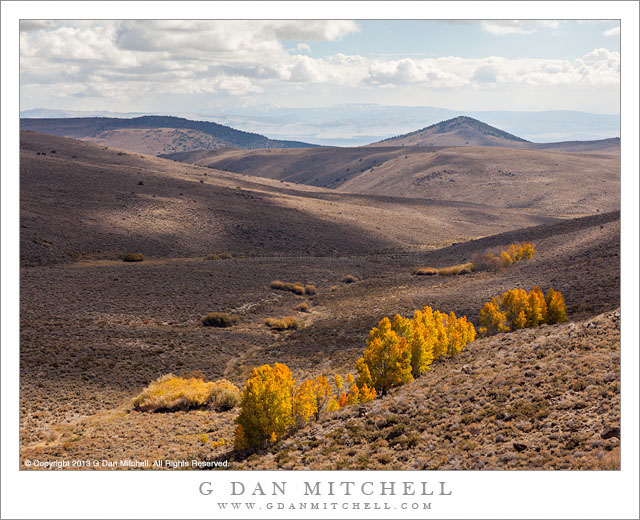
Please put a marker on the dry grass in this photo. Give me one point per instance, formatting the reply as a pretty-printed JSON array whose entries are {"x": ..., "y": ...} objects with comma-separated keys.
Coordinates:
[
  {"x": 170, "y": 393},
  {"x": 133, "y": 257},
  {"x": 218, "y": 319},
  {"x": 425, "y": 271},
  {"x": 457, "y": 269},
  {"x": 286, "y": 323},
  {"x": 294, "y": 287}
]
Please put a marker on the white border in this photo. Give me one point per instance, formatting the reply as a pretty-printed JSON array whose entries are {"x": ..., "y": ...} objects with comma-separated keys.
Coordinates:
[{"x": 542, "y": 494}]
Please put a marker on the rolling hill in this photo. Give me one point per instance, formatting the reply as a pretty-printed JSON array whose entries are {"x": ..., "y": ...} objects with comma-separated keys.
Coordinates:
[
  {"x": 80, "y": 200},
  {"x": 154, "y": 134},
  {"x": 546, "y": 181},
  {"x": 459, "y": 131}
]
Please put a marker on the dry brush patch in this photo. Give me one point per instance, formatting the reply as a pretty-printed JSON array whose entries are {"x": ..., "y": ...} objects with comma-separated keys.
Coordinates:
[
  {"x": 170, "y": 393},
  {"x": 286, "y": 323},
  {"x": 133, "y": 257},
  {"x": 218, "y": 319}
]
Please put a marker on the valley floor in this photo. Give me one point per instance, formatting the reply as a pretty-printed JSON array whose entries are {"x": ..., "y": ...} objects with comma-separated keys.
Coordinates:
[{"x": 94, "y": 334}]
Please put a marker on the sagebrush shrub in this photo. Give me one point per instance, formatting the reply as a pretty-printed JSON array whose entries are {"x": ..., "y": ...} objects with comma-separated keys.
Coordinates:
[
  {"x": 133, "y": 257},
  {"x": 296, "y": 287},
  {"x": 286, "y": 323},
  {"x": 218, "y": 319}
]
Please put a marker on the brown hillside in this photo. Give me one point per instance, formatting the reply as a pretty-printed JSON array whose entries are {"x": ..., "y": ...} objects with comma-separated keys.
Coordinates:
[
  {"x": 88, "y": 201},
  {"x": 549, "y": 182},
  {"x": 466, "y": 131},
  {"x": 459, "y": 131}
]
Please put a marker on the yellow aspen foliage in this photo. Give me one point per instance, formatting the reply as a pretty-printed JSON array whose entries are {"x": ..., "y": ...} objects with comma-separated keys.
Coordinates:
[
  {"x": 413, "y": 332},
  {"x": 304, "y": 403},
  {"x": 349, "y": 379},
  {"x": 537, "y": 308},
  {"x": 492, "y": 320},
  {"x": 333, "y": 405},
  {"x": 556, "y": 309},
  {"x": 441, "y": 341},
  {"x": 387, "y": 358},
  {"x": 367, "y": 394},
  {"x": 353, "y": 397},
  {"x": 506, "y": 259},
  {"x": 517, "y": 309},
  {"x": 516, "y": 306},
  {"x": 323, "y": 394},
  {"x": 343, "y": 400},
  {"x": 338, "y": 382},
  {"x": 266, "y": 407},
  {"x": 514, "y": 253},
  {"x": 527, "y": 250},
  {"x": 364, "y": 376}
]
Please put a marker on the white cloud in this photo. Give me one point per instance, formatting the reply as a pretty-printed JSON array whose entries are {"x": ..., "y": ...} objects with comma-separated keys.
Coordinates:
[
  {"x": 505, "y": 27},
  {"x": 125, "y": 59},
  {"x": 303, "y": 47},
  {"x": 614, "y": 31}
]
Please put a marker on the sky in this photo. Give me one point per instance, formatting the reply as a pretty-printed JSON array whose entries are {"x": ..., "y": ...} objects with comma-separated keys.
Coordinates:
[{"x": 201, "y": 65}]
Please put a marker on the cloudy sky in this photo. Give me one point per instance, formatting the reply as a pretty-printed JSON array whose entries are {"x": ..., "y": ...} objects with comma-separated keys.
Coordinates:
[{"x": 197, "y": 65}]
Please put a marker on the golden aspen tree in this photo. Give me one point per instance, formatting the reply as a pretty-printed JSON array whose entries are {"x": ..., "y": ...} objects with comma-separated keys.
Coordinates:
[
  {"x": 343, "y": 400},
  {"x": 537, "y": 307},
  {"x": 304, "y": 403},
  {"x": 556, "y": 309},
  {"x": 441, "y": 341},
  {"x": 413, "y": 332},
  {"x": 323, "y": 394},
  {"x": 266, "y": 407},
  {"x": 387, "y": 357},
  {"x": 492, "y": 319},
  {"x": 338, "y": 382},
  {"x": 516, "y": 306}
]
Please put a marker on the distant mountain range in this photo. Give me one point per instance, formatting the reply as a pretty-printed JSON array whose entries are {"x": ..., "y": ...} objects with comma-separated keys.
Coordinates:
[
  {"x": 360, "y": 124},
  {"x": 154, "y": 134}
]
